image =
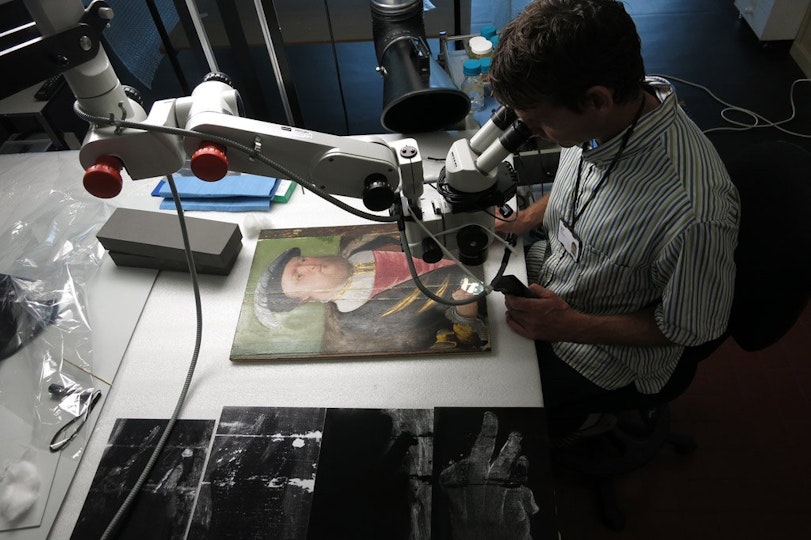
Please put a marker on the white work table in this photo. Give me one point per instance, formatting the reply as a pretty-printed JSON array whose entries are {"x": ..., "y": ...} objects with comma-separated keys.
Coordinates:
[{"x": 155, "y": 362}]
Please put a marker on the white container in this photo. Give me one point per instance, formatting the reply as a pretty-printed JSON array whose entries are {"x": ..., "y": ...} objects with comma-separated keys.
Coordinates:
[
  {"x": 480, "y": 47},
  {"x": 773, "y": 19}
]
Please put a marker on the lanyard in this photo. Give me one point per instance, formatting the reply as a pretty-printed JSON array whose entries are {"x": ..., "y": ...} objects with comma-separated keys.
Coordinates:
[{"x": 576, "y": 191}]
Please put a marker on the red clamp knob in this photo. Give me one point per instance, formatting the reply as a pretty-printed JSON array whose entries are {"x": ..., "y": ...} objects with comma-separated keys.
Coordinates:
[
  {"x": 103, "y": 178},
  {"x": 209, "y": 162}
]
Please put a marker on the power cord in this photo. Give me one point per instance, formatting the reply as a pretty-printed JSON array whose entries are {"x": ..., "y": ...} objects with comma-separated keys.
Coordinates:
[
  {"x": 126, "y": 506},
  {"x": 756, "y": 118}
]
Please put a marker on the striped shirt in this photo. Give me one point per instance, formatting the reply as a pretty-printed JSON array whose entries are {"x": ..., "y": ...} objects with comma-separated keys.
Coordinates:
[{"x": 660, "y": 231}]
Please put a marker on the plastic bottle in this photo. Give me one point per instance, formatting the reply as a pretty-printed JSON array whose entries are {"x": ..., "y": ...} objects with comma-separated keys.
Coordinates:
[
  {"x": 494, "y": 41},
  {"x": 485, "y": 68},
  {"x": 472, "y": 84},
  {"x": 488, "y": 31}
]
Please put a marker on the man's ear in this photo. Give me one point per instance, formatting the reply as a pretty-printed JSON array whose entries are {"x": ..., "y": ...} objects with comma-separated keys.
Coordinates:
[{"x": 600, "y": 98}]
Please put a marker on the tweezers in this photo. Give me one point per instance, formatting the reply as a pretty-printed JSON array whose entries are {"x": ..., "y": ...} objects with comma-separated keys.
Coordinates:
[{"x": 91, "y": 396}]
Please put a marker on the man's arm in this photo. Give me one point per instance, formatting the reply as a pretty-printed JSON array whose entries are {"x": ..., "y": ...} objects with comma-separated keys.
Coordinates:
[
  {"x": 549, "y": 318},
  {"x": 524, "y": 220}
]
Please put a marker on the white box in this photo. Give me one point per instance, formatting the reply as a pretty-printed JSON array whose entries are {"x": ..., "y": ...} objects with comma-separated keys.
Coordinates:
[{"x": 773, "y": 19}]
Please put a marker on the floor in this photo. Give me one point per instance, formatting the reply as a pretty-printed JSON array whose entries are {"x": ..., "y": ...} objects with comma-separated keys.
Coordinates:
[
  {"x": 750, "y": 413},
  {"x": 750, "y": 477}
]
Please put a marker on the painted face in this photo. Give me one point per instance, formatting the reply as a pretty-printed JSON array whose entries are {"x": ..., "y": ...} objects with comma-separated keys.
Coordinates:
[
  {"x": 558, "y": 124},
  {"x": 314, "y": 278}
]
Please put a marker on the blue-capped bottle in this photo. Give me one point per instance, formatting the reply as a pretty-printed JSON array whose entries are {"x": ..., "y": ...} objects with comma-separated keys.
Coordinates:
[
  {"x": 485, "y": 76},
  {"x": 472, "y": 84},
  {"x": 487, "y": 31},
  {"x": 490, "y": 33}
]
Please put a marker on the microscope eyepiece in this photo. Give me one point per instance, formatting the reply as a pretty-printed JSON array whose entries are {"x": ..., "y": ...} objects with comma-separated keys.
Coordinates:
[{"x": 515, "y": 136}]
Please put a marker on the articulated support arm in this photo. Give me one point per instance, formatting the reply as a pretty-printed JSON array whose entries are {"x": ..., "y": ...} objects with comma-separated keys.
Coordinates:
[{"x": 208, "y": 128}]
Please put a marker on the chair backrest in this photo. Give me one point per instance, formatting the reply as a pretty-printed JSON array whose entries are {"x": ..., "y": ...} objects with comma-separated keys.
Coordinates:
[{"x": 773, "y": 256}]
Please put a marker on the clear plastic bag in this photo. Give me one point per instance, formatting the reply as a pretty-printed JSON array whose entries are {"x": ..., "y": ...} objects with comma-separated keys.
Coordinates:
[{"x": 50, "y": 253}]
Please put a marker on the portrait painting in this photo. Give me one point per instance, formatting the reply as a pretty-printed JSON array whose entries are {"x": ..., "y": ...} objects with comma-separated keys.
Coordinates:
[{"x": 342, "y": 292}]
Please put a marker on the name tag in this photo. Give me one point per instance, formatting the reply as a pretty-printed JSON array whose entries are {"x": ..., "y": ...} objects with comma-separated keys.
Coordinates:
[{"x": 569, "y": 239}]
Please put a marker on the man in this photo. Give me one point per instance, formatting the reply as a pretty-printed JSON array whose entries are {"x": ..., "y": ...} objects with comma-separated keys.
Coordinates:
[
  {"x": 641, "y": 223},
  {"x": 372, "y": 303}
]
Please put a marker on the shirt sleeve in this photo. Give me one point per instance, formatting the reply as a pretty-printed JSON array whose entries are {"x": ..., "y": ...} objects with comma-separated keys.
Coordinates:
[{"x": 698, "y": 271}]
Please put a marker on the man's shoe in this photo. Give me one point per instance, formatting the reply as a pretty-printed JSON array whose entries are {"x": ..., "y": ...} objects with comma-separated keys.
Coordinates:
[{"x": 604, "y": 423}]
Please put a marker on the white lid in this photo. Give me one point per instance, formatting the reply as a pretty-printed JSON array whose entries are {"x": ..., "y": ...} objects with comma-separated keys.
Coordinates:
[{"x": 480, "y": 45}]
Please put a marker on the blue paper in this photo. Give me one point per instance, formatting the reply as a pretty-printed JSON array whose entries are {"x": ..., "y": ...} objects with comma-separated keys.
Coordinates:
[
  {"x": 237, "y": 185},
  {"x": 234, "y": 193},
  {"x": 231, "y": 204}
]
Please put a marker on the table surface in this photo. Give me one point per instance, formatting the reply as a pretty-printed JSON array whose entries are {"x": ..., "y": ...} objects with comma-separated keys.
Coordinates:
[{"x": 154, "y": 366}]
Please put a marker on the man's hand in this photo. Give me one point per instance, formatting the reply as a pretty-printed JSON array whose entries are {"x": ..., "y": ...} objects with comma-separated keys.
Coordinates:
[
  {"x": 471, "y": 310},
  {"x": 547, "y": 317},
  {"x": 522, "y": 221},
  {"x": 490, "y": 501}
]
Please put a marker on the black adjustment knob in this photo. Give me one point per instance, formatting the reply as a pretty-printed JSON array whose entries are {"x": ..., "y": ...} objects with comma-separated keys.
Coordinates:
[
  {"x": 377, "y": 194},
  {"x": 472, "y": 242},
  {"x": 431, "y": 252},
  {"x": 134, "y": 95},
  {"x": 219, "y": 76}
]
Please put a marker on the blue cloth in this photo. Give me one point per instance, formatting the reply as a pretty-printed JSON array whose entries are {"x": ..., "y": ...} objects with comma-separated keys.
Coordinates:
[
  {"x": 236, "y": 185},
  {"x": 232, "y": 204},
  {"x": 234, "y": 193}
]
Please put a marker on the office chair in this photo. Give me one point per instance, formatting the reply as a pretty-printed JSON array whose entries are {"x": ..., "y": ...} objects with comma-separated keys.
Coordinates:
[{"x": 772, "y": 287}]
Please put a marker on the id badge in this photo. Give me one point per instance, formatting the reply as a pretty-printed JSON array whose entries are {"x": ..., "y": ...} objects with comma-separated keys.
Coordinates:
[{"x": 569, "y": 239}]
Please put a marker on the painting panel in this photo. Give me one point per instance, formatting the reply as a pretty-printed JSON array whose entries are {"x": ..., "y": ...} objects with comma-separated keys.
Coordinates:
[{"x": 347, "y": 292}]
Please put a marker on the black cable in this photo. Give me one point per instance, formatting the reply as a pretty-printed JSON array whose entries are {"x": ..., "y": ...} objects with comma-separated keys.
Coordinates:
[
  {"x": 512, "y": 240},
  {"x": 425, "y": 290},
  {"x": 126, "y": 506}
]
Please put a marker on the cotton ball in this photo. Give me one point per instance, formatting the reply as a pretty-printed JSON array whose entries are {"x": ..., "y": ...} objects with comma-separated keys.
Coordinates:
[
  {"x": 254, "y": 223},
  {"x": 19, "y": 490}
]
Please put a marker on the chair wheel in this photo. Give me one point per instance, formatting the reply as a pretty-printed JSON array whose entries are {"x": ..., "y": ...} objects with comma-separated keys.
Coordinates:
[
  {"x": 612, "y": 516},
  {"x": 683, "y": 444}
]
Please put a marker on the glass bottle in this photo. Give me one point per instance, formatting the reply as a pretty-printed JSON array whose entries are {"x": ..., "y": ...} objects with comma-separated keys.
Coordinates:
[
  {"x": 494, "y": 41},
  {"x": 472, "y": 84},
  {"x": 485, "y": 68}
]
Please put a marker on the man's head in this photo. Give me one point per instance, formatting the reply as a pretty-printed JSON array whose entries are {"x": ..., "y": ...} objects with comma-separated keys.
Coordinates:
[
  {"x": 314, "y": 278},
  {"x": 568, "y": 54},
  {"x": 291, "y": 279}
]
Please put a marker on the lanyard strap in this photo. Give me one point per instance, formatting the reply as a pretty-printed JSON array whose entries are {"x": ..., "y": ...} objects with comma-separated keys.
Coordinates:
[{"x": 576, "y": 191}]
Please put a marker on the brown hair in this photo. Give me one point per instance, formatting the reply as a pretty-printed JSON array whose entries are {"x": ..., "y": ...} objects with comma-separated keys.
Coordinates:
[{"x": 557, "y": 49}]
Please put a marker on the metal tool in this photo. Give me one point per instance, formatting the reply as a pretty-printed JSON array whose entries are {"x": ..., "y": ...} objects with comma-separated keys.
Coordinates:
[{"x": 87, "y": 400}]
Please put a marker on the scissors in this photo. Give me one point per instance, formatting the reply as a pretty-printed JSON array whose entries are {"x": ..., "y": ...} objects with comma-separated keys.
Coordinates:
[{"x": 87, "y": 399}]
